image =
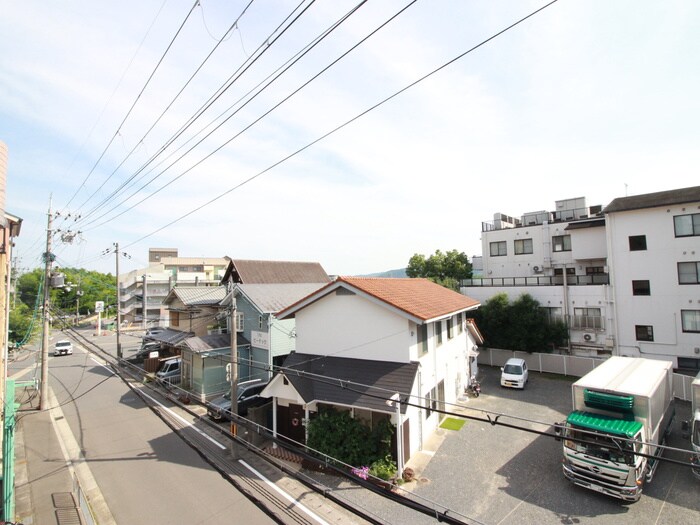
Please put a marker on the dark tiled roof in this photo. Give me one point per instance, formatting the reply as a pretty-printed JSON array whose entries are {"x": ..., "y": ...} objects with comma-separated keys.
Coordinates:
[
  {"x": 327, "y": 380},
  {"x": 587, "y": 223},
  {"x": 653, "y": 200},
  {"x": 267, "y": 272}
]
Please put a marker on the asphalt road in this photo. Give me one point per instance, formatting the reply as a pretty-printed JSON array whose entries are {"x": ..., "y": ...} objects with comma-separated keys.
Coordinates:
[{"x": 146, "y": 473}]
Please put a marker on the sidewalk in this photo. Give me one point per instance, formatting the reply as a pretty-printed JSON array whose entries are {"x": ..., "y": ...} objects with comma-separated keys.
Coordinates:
[{"x": 45, "y": 492}]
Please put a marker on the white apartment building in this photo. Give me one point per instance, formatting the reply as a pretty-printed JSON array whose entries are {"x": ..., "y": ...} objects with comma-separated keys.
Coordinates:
[{"x": 625, "y": 278}]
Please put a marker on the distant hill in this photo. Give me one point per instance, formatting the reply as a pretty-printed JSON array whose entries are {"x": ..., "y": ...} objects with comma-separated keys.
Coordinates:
[{"x": 396, "y": 274}]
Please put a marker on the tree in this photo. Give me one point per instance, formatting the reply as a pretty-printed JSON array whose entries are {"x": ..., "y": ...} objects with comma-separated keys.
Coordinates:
[
  {"x": 520, "y": 325},
  {"x": 446, "y": 269}
]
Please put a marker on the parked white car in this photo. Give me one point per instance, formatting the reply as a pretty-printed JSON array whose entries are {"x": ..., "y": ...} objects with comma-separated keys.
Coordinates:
[
  {"x": 514, "y": 373},
  {"x": 64, "y": 347}
]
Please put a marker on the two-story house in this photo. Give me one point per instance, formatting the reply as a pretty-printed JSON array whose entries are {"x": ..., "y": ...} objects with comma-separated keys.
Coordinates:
[
  {"x": 362, "y": 342},
  {"x": 271, "y": 339}
]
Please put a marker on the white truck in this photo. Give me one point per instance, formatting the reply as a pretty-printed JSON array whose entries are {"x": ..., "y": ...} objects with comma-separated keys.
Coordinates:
[
  {"x": 695, "y": 426},
  {"x": 622, "y": 411}
]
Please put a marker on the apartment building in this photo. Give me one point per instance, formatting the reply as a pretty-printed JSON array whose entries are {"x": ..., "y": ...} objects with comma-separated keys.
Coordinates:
[
  {"x": 623, "y": 277},
  {"x": 142, "y": 291}
]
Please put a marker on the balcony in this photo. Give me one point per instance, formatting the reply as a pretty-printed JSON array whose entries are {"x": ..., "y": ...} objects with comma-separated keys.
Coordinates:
[{"x": 543, "y": 280}]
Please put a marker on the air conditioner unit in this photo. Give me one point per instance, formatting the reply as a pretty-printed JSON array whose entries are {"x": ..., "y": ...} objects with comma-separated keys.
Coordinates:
[
  {"x": 588, "y": 337},
  {"x": 536, "y": 269}
]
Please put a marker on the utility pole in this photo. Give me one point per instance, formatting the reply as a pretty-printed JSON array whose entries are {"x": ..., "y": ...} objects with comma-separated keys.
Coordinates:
[
  {"x": 119, "y": 309},
  {"x": 43, "y": 393},
  {"x": 234, "y": 376}
]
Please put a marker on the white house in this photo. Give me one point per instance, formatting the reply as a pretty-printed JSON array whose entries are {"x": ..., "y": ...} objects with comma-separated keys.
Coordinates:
[
  {"x": 624, "y": 278},
  {"x": 361, "y": 341}
]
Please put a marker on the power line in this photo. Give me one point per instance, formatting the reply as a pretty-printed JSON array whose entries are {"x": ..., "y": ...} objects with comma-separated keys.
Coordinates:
[
  {"x": 222, "y": 89},
  {"x": 121, "y": 79},
  {"x": 175, "y": 98},
  {"x": 138, "y": 97},
  {"x": 337, "y": 128}
]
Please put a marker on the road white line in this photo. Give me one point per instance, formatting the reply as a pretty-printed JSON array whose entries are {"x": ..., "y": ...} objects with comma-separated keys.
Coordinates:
[
  {"x": 102, "y": 365},
  {"x": 284, "y": 494},
  {"x": 76, "y": 463},
  {"x": 184, "y": 421}
]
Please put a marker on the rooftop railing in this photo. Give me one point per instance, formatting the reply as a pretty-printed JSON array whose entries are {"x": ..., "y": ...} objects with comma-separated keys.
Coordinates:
[{"x": 542, "y": 280}]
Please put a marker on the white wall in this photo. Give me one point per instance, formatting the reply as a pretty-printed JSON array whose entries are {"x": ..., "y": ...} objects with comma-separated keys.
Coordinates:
[
  {"x": 351, "y": 326},
  {"x": 658, "y": 264}
]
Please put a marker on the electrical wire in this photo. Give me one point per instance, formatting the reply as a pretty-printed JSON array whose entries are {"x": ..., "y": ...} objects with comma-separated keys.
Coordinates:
[
  {"x": 337, "y": 128},
  {"x": 138, "y": 97},
  {"x": 170, "y": 104}
]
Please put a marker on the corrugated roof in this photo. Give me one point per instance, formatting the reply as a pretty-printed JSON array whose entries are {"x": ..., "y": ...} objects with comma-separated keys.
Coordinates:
[
  {"x": 271, "y": 298},
  {"x": 653, "y": 200},
  {"x": 169, "y": 336},
  {"x": 267, "y": 272},
  {"x": 197, "y": 295},
  {"x": 325, "y": 379},
  {"x": 419, "y": 298},
  {"x": 207, "y": 343}
]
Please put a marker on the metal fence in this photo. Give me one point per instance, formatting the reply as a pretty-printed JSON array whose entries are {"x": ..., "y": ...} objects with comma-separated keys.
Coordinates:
[{"x": 568, "y": 365}]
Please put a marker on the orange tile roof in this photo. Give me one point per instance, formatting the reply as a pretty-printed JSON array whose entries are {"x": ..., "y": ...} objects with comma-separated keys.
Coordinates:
[{"x": 418, "y": 297}]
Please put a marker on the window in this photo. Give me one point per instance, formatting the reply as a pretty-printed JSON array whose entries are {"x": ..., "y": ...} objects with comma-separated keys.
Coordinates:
[
  {"x": 590, "y": 318},
  {"x": 430, "y": 402},
  {"x": 438, "y": 332},
  {"x": 460, "y": 327},
  {"x": 641, "y": 288},
  {"x": 523, "y": 246},
  {"x": 644, "y": 332},
  {"x": 689, "y": 273},
  {"x": 595, "y": 270},
  {"x": 423, "y": 338},
  {"x": 552, "y": 313},
  {"x": 638, "y": 243},
  {"x": 689, "y": 363},
  {"x": 690, "y": 320},
  {"x": 561, "y": 243},
  {"x": 450, "y": 333},
  {"x": 498, "y": 249},
  {"x": 240, "y": 319},
  {"x": 174, "y": 318},
  {"x": 687, "y": 225}
]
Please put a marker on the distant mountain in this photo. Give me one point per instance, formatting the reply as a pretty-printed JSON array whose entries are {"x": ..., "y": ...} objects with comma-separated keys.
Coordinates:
[{"x": 395, "y": 274}]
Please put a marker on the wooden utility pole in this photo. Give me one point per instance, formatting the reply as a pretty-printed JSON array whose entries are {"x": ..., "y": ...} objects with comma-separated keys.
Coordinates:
[
  {"x": 46, "y": 332},
  {"x": 234, "y": 375}
]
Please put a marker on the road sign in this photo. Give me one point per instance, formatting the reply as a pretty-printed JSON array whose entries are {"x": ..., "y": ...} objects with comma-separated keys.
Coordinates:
[{"x": 99, "y": 306}]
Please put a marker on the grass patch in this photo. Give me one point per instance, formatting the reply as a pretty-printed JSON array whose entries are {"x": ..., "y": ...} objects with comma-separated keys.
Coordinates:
[{"x": 452, "y": 423}]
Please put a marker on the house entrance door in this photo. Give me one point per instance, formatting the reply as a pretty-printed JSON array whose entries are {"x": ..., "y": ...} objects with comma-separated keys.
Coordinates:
[{"x": 290, "y": 422}]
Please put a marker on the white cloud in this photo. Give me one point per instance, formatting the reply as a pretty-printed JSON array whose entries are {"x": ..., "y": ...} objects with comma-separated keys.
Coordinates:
[{"x": 585, "y": 99}]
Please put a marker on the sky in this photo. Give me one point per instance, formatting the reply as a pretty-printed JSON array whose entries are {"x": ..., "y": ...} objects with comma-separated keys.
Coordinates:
[{"x": 404, "y": 145}]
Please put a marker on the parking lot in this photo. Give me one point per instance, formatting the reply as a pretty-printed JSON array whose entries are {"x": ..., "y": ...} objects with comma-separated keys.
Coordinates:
[{"x": 498, "y": 475}]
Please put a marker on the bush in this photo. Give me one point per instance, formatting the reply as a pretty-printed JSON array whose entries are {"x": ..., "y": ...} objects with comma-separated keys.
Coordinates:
[
  {"x": 348, "y": 440},
  {"x": 384, "y": 468}
]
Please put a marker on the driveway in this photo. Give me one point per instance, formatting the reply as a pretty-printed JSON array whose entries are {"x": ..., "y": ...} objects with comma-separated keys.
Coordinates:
[{"x": 498, "y": 475}]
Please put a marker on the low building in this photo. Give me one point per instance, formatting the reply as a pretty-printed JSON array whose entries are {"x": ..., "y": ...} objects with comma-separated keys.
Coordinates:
[{"x": 362, "y": 342}]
